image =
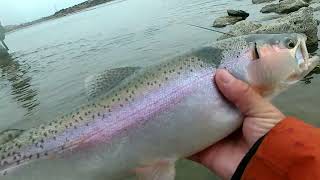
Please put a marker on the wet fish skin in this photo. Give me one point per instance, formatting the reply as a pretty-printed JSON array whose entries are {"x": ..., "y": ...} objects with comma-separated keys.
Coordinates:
[{"x": 164, "y": 112}]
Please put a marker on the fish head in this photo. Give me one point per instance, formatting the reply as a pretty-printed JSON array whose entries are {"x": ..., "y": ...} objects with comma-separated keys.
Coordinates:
[{"x": 270, "y": 63}]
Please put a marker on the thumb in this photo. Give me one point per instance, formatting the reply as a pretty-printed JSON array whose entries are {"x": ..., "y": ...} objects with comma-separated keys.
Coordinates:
[{"x": 238, "y": 92}]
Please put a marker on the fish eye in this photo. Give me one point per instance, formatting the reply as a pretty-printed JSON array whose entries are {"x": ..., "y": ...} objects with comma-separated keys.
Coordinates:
[{"x": 290, "y": 44}]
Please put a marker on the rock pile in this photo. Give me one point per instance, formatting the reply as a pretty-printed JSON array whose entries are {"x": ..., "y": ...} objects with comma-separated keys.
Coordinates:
[
  {"x": 301, "y": 21},
  {"x": 233, "y": 17}
]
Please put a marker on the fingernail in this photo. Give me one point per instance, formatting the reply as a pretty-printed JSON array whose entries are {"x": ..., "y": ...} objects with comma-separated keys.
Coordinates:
[{"x": 225, "y": 77}]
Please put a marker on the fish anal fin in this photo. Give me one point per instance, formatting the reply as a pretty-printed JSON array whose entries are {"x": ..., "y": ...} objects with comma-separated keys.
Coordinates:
[
  {"x": 161, "y": 170},
  {"x": 102, "y": 83}
]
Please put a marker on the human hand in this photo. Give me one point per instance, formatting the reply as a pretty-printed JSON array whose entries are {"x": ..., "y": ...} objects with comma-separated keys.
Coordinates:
[{"x": 260, "y": 116}]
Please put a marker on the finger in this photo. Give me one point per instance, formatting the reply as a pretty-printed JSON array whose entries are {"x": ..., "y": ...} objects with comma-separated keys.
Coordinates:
[{"x": 238, "y": 92}]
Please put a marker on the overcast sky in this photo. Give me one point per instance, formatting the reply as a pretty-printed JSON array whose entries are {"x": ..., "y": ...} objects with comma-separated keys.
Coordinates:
[{"x": 19, "y": 11}]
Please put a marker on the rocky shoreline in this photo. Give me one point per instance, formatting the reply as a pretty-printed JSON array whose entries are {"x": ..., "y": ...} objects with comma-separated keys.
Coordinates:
[
  {"x": 58, "y": 14},
  {"x": 300, "y": 19}
]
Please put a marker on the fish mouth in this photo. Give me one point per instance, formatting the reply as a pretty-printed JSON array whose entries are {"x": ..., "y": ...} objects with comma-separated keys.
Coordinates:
[
  {"x": 305, "y": 62},
  {"x": 256, "y": 54}
]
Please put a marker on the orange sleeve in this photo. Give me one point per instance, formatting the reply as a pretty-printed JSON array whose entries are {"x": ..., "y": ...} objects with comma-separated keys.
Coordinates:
[{"x": 290, "y": 151}]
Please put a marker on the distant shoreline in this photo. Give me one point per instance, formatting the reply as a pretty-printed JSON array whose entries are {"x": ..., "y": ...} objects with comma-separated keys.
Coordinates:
[{"x": 58, "y": 14}]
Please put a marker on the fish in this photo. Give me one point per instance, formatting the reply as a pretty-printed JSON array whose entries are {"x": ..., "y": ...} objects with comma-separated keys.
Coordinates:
[{"x": 140, "y": 120}]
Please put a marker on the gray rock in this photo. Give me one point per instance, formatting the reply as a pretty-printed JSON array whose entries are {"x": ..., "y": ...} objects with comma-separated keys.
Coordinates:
[
  {"x": 238, "y": 13},
  {"x": 314, "y": 1},
  {"x": 241, "y": 28},
  {"x": 284, "y": 7},
  {"x": 316, "y": 8},
  {"x": 301, "y": 21},
  {"x": 226, "y": 20},
  {"x": 261, "y": 1}
]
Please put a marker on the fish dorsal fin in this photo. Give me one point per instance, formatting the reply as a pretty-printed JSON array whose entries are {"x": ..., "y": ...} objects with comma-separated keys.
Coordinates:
[
  {"x": 9, "y": 134},
  {"x": 100, "y": 84},
  {"x": 162, "y": 170}
]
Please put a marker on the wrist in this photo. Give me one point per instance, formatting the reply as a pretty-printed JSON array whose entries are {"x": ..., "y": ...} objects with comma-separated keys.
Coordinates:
[{"x": 245, "y": 160}]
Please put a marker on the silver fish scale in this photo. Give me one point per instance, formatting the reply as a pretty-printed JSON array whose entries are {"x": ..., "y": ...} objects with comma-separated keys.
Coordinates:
[{"x": 55, "y": 137}]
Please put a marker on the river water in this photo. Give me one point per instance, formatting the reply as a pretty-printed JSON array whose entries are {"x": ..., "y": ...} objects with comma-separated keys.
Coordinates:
[{"x": 45, "y": 75}]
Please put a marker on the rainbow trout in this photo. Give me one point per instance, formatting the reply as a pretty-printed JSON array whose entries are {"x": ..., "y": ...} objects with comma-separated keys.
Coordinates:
[{"x": 144, "y": 119}]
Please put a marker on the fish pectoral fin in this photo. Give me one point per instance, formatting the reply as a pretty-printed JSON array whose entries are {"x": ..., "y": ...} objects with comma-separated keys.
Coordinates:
[
  {"x": 102, "y": 83},
  {"x": 161, "y": 170},
  {"x": 9, "y": 134}
]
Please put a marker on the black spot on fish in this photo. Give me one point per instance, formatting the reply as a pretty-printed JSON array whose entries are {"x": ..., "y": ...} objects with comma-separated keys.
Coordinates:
[{"x": 38, "y": 155}]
